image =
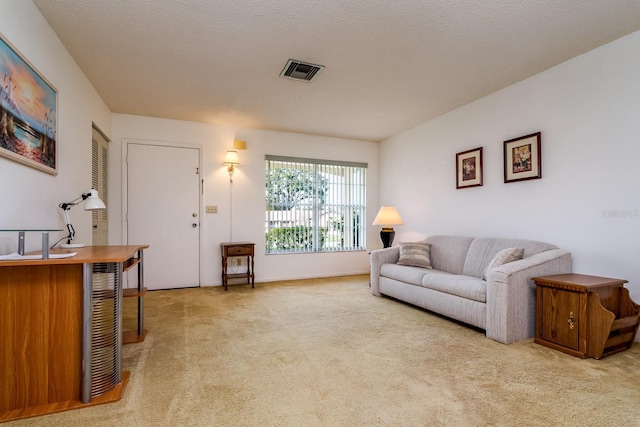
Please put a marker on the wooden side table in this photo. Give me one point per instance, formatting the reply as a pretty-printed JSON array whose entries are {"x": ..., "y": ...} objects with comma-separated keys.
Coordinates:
[
  {"x": 585, "y": 316},
  {"x": 237, "y": 249}
]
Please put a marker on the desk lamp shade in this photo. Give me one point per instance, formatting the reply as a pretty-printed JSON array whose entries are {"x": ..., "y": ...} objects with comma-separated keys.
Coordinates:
[
  {"x": 93, "y": 201},
  {"x": 387, "y": 217}
]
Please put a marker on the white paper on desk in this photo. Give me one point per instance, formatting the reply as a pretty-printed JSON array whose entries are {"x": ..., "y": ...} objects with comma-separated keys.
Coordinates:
[{"x": 16, "y": 256}]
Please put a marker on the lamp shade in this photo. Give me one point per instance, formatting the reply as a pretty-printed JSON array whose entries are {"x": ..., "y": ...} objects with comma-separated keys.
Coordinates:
[
  {"x": 93, "y": 202},
  {"x": 388, "y": 215},
  {"x": 231, "y": 158}
]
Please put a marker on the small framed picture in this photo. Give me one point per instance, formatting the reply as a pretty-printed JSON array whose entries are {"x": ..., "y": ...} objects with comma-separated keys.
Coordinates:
[
  {"x": 522, "y": 158},
  {"x": 469, "y": 168}
]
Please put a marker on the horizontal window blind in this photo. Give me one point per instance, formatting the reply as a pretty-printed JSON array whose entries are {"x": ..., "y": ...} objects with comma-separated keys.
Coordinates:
[{"x": 314, "y": 205}]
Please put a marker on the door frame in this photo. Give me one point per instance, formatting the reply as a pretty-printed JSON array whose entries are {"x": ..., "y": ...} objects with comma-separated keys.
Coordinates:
[{"x": 125, "y": 189}]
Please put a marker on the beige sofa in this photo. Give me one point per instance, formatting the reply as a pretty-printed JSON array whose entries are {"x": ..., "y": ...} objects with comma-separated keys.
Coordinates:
[{"x": 503, "y": 304}]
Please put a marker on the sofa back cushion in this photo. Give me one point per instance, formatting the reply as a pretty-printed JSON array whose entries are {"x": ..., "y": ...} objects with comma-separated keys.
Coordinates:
[
  {"x": 448, "y": 253},
  {"x": 482, "y": 250}
]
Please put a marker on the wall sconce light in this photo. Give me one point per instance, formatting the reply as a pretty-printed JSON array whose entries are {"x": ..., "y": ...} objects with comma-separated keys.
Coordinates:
[
  {"x": 387, "y": 216},
  {"x": 231, "y": 160},
  {"x": 92, "y": 203}
]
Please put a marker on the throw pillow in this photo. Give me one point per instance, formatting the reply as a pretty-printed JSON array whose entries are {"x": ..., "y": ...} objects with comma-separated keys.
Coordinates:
[
  {"x": 415, "y": 254},
  {"x": 503, "y": 257}
]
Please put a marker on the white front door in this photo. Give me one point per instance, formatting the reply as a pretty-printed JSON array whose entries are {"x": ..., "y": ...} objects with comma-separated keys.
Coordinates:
[{"x": 163, "y": 211}]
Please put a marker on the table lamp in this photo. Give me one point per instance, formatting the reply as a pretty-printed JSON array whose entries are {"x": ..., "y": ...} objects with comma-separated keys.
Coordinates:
[
  {"x": 92, "y": 203},
  {"x": 387, "y": 216}
]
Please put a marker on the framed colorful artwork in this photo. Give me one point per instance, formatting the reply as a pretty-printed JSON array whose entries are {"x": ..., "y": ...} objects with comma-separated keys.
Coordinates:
[
  {"x": 469, "y": 168},
  {"x": 522, "y": 158},
  {"x": 28, "y": 112}
]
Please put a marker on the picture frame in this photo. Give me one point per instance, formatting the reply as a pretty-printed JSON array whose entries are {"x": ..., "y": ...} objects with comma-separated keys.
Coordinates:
[
  {"x": 523, "y": 158},
  {"x": 28, "y": 112},
  {"x": 469, "y": 168}
]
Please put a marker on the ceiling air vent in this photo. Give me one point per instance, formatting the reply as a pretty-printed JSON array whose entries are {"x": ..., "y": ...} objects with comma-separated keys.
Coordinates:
[{"x": 299, "y": 70}]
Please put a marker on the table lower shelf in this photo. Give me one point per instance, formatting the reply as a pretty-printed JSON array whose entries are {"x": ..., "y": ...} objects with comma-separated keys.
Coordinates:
[
  {"x": 132, "y": 337},
  {"x": 239, "y": 276},
  {"x": 133, "y": 292}
]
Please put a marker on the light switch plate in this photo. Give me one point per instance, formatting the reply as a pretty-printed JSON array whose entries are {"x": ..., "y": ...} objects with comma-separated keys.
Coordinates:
[{"x": 212, "y": 209}]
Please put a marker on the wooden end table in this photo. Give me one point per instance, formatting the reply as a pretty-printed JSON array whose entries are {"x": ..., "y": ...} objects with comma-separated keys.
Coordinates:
[
  {"x": 237, "y": 249},
  {"x": 585, "y": 316}
]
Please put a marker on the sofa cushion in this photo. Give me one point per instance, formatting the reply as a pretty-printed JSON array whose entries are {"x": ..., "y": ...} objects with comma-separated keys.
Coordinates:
[
  {"x": 448, "y": 253},
  {"x": 503, "y": 257},
  {"x": 415, "y": 254},
  {"x": 482, "y": 250},
  {"x": 456, "y": 284},
  {"x": 403, "y": 273}
]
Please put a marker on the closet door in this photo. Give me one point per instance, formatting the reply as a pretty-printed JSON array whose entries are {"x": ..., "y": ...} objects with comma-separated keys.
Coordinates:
[{"x": 99, "y": 181}]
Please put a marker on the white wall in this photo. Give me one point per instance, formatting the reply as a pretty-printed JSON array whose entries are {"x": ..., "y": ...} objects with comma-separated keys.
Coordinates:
[
  {"x": 248, "y": 191},
  {"x": 588, "y": 200},
  {"x": 29, "y": 198}
]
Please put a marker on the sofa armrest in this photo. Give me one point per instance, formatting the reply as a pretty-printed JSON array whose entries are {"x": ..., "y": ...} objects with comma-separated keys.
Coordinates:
[
  {"x": 511, "y": 296},
  {"x": 377, "y": 258}
]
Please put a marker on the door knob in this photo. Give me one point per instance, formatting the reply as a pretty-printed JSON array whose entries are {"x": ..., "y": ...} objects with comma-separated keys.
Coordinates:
[
  {"x": 194, "y": 225},
  {"x": 195, "y": 215}
]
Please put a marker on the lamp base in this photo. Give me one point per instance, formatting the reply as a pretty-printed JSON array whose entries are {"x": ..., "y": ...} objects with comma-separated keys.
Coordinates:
[
  {"x": 386, "y": 235},
  {"x": 72, "y": 245}
]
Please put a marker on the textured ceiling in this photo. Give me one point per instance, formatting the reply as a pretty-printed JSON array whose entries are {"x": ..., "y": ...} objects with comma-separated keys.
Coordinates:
[{"x": 390, "y": 64}]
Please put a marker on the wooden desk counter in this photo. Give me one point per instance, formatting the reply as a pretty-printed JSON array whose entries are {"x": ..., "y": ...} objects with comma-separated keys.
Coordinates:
[
  {"x": 50, "y": 311},
  {"x": 83, "y": 255}
]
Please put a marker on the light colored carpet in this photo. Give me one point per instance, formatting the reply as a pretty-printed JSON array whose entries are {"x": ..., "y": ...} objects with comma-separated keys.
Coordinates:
[{"x": 326, "y": 352}]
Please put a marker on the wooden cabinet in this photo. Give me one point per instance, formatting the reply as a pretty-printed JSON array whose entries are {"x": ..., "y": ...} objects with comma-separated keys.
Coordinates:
[
  {"x": 237, "y": 249},
  {"x": 585, "y": 316}
]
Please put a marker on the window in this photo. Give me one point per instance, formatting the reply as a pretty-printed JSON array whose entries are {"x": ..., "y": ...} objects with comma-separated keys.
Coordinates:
[{"x": 314, "y": 205}]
